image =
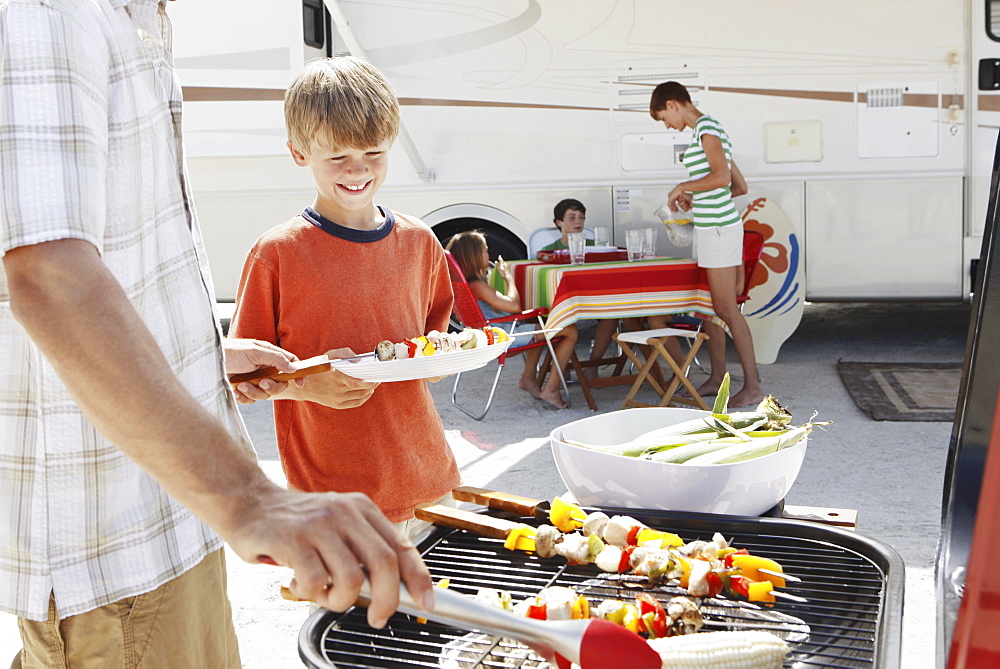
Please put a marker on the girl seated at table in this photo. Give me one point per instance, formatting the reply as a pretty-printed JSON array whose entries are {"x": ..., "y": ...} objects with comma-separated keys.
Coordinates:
[{"x": 469, "y": 249}]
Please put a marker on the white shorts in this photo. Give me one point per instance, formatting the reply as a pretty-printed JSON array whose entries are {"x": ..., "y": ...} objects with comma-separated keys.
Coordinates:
[{"x": 719, "y": 246}]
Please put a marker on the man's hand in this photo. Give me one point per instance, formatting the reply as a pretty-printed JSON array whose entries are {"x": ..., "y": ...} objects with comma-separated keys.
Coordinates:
[
  {"x": 334, "y": 388},
  {"x": 327, "y": 538},
  {"x": 247, "y": 355}
]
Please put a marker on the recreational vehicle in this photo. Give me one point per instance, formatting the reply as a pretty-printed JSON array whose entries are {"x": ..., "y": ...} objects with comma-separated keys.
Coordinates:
[{"x": 868, "y": 124}]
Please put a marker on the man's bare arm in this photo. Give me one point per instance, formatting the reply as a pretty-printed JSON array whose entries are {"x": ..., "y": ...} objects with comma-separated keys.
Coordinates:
[{"x": 78, "y": 315}]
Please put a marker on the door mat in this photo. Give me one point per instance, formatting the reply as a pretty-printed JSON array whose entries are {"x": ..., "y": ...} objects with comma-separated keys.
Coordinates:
[{"x": 922, "y": 391}]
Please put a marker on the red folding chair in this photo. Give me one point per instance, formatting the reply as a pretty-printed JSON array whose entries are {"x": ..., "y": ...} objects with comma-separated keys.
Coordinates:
[
  {"x": 470, "y": 315},
  {"x": 753, "y": 248}
]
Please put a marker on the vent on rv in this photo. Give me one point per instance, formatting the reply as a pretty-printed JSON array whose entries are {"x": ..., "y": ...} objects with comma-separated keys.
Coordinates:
[
  {"x": 885, "y": 97},
  {"x": 631, "y": 85}
]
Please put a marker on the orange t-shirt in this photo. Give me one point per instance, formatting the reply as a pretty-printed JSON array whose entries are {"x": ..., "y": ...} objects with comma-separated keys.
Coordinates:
[{"x": 310, "y": 291}]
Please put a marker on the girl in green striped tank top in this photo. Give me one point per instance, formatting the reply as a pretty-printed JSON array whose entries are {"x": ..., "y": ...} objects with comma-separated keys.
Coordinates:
[{"x": 713, "y": 181}]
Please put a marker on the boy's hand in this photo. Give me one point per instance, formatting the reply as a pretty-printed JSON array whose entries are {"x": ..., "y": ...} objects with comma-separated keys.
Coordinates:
[
  {"x": 334, "y": 388},
  {"x": 247, "y": 355},
  {"x": 326, "y": 538}
]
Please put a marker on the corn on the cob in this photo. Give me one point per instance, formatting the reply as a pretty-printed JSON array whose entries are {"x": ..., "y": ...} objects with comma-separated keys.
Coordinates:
[
  {"x": 751, "y": 649},
  {"x": 759, "y": 446},
  {"x": 684, "y": 453}
]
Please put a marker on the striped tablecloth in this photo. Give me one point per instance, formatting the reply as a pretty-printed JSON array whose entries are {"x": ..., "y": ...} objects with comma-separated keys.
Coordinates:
[{"x": 611, "y": 289}]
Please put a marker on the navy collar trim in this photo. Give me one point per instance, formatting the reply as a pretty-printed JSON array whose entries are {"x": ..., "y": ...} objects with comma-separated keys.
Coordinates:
[{"x": 351, "y": 234}]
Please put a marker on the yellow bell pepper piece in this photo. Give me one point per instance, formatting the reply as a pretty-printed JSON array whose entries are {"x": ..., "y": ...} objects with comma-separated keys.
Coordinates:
[
  {"x": 685, "y": 566},
  {"x": 566, "y": 517},
  {"x": 667, "y": 539},
  {"x": 760, "y": 591},
  {"x": 521, "y": 537},
  {"x": 581, "y": 608},
  {"x": 750, "y": 566},
  {"x": 630, "y": 620},
  {"x": 442, "y": 583}
]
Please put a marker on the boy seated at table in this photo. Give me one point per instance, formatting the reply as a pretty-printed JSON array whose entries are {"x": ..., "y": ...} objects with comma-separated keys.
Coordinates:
[
  {"x": 570, "y": 216},
  {"x": 473, "y": 256}
]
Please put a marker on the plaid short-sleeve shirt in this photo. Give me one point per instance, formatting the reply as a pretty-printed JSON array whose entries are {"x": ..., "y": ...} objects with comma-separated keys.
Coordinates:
[{"x": 90, "y": 149}]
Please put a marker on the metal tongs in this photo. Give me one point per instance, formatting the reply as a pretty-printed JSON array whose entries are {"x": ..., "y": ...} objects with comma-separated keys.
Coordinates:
[{"x": 591, "y": 644}]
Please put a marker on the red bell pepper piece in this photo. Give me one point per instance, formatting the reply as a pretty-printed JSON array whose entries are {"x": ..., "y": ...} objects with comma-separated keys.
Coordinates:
[
  {"x": 625, "y": 564},
  {"x": 729, "y": 556},
  {"x": 632, "y": 537},
  {"x": 648, "y": 604},
  {"x": 715, "y": 584},
  {"x": 537, "y": 611},
  {"x": 740, "y": 585}
]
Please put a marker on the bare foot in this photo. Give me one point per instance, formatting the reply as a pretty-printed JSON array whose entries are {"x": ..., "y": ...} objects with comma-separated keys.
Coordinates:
[
  {"x": 553, "y": 397},
  {"x": 709, "y": 388},
  {"x": 530, "y": 387},
  {"x": 747, "y": 397}
]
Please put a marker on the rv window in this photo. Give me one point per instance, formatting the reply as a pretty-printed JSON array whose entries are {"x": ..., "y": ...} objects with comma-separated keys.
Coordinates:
[
  {"x": 313, "y": 23},
  {"x": 993, "y": 19}
]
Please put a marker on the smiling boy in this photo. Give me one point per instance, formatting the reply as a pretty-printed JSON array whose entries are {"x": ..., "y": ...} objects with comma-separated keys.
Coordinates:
[{"x": 338, "y": 278}]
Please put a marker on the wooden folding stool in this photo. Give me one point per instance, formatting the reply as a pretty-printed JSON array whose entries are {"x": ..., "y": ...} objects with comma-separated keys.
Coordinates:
[{"x": 655, "y": 340}]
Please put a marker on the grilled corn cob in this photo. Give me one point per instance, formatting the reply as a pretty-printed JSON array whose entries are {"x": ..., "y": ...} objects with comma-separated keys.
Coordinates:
[{"x": 752, "y": 649}]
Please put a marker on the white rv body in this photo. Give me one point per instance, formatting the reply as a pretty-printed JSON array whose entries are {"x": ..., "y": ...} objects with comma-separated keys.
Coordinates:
[{"x": 862, "y": 119}]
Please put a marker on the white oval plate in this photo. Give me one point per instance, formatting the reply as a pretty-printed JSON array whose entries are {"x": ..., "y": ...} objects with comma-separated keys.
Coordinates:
[{"x": 427, "y": 367}]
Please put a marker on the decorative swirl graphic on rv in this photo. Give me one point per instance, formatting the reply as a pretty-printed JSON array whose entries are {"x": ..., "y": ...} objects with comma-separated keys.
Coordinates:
[
  {"x": 780, "y": 257},
  {"x": 414, "y": 52}
]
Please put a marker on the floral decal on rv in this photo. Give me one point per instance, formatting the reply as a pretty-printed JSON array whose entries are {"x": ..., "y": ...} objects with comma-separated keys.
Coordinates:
[{"x": 780, "y": 257}]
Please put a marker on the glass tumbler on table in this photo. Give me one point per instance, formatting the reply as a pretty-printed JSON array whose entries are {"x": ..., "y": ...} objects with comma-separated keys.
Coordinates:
[
  {"x": 601, "y": 236},
  {"x": 634, "y": 240},
  {"x": 577, "y": 247},
  {"x": 649, "y": 242}
]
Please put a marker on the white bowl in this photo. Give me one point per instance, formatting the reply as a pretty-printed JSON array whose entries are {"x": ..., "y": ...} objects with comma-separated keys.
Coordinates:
[{"x": 602, "y": 479}]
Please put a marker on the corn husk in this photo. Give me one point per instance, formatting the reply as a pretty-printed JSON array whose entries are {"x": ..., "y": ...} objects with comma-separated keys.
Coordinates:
[{"x": 755, "y": 448}]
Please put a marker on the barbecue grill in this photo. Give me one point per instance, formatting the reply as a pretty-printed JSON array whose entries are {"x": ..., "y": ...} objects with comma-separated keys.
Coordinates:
[{"x": 853, "y": 587}]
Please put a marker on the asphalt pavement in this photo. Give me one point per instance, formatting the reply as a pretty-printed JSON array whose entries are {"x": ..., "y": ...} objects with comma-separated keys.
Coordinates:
[{"x": 891, "y": 472}]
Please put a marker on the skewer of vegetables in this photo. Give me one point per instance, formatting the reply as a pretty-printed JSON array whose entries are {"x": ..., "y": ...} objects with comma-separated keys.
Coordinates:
[
  {"x": 663, "y": 626},
  {"x": 622, "y": 544}
]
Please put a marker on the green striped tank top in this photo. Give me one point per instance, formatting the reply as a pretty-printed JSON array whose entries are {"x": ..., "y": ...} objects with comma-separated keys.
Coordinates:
[{"x": 710, "y": 208}]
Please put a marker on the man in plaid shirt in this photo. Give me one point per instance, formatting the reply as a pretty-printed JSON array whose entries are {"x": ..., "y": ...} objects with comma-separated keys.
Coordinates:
[{"x": 123, "y": 458}]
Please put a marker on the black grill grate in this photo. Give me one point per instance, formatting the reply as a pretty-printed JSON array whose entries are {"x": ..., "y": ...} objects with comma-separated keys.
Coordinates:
[{"x": 853, "y": 587}]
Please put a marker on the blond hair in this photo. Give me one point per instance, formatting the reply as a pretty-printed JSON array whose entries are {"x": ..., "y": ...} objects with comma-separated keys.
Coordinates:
[{"x": 343, "y": 100}]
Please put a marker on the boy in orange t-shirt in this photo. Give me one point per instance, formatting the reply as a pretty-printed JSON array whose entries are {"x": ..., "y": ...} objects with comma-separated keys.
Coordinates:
[{"x": 338, "y": 278}]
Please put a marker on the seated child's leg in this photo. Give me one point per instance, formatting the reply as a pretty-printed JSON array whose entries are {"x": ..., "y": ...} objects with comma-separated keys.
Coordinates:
[
  {"x": 658, "y": 322},
  {"x": 602, "y": 337},
  {"x": 551, "y": 392},
  {"x": 527, "y": 381}
]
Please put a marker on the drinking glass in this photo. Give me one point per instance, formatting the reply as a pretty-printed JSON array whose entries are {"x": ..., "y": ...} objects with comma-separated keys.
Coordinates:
[
  {"x": 601, "y": 236},
  {"x": 577, "y": 247},
  {"x": 649, "y": 242},
  {"x": 633, "y": 243}
]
